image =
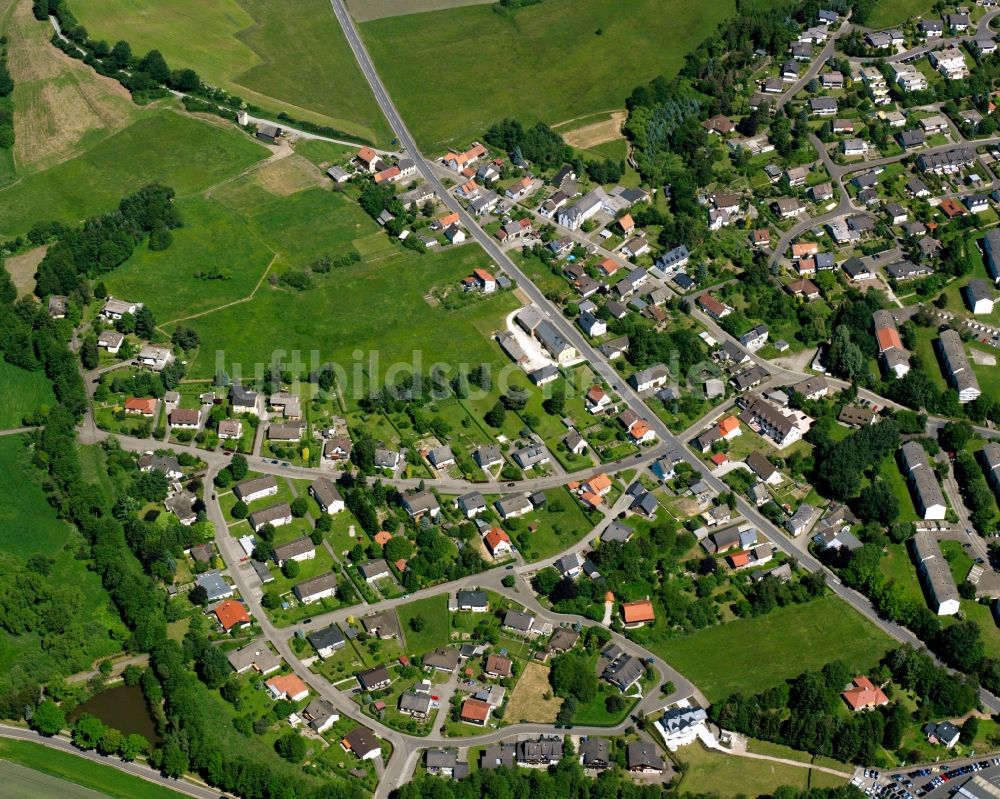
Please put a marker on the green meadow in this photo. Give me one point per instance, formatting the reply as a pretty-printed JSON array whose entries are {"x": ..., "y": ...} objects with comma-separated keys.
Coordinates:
[
  {"x": 296, "y": 60},
  {"x": 175, "y": 149},
  {"x": 750, "y": 655},
  {"x": 21, "y": 393},
  {"x": 454, "y": 72}
]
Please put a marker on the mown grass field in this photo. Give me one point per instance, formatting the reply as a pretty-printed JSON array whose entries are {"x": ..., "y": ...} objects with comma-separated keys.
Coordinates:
[
  {"x": 894, "y": 12},
  {"x": 436, "y": 631},
  {"x": 749, "y": 655},
  {"x": 728, "y": 775},
  {"x": 33, "y": 771},
  {"x": 364, "y": 10},
  {"x": 175, "y": 149},
  {"x": 21, "y": 392},
  {"x": 28, "y": 524},
  {"x": 296, "y": 60},
  {"x": 453, "y": 73}
]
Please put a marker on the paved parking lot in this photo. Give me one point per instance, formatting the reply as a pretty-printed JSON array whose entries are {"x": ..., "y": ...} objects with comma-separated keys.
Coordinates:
[{"x": 885, "y": 787}]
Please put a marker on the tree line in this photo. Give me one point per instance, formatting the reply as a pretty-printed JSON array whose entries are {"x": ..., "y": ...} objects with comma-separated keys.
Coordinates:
[
  {"x": 104, "y": 242},
  {"x": 805, "y": 711},
  {"x": 6, "y": 107}
]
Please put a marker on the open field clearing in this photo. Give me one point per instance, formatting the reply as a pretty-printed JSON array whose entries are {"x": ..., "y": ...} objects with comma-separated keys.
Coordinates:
[
  {"x": 299, "y": 62},
  {"x": 893, "y": 12},
  {"x": 22, "y": 268},
  {"x": 172, "y": 148},
  {"x": 528, "y": 702},
  {"x": 750, "y": 655},
  {"x": 366, "y": 10},
  {"x": 730, "y": 775},
  {"x": 56, "y": 775},
  {"x": 21, "y": 392},
  {"x": 587, "y": 136},
  {"x": 453, "y": 73},
  {"x": 61, "y": 106}
]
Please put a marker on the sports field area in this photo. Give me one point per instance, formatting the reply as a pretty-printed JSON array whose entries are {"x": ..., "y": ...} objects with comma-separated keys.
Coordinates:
[
  {"x": 33, "y": 771},
  {"x": 269, "y": 54},
  {"x": 453, "y": 73},
  {"x": 750, "y": 655},
  {"x": 729, "y": 775}
]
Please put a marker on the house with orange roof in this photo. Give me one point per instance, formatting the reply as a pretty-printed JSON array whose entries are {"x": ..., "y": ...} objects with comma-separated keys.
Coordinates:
[
  {"x": 458, "y": 161},
  {"x": 520, "y": 189},
  {"x": 609, "y": 266},
  {"x": 888, "y": 337},
  {"x": 597, "y": 399},
  {"x": 476, "y": 711},
  {"x": 599, "y": 484},
  {"x": 287, "y": 686},
  {"x": 720, "y": 458},
  {"x": 383, "y": 537},
  {"x": 864, "y": 695},
  {"x": 952, "y": 208},
  {"x": 390, "y": 175},
  {"x": 638, "y": 613},
  {"x": 591, "y": 500},
  {"x": 806, "y": 266},
  {"x": 400, "y": 565},
  {"x": 626, "y": 224},
  {"x": 497, "y": 542},
  {"x": 640, "y": 432},
  {"x": 232, "y": 615},
  {"x": 368, "y": 159},
  {"x": 140, "y": 406},
  {"x": 447, "y": 221},
  {"x": 761, "y": 237},
  {"x": 804, "y": 249},
  {"x": 729, "y": 428},
  {"x": 469, "y": 190},
  {"x": 739, "y": 560}
]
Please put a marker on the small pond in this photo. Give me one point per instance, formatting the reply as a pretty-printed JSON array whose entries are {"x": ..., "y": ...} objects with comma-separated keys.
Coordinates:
[{"x": 122, "y": 707}]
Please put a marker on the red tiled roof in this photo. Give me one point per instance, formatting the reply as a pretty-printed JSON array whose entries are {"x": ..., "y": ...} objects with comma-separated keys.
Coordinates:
[
  {"x": 230, "y": 613},
  {"x": 640, "y": 611}
]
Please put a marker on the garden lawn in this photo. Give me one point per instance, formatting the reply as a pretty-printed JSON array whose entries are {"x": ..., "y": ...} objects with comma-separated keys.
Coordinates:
[
  {"x": 175, "y": 149},
  {"x": 22, "y": 393},
  {"x": 57, "y": 775},
  {"x": 243, "y": 46},
  {"x": 728, "y": 775},
  {"x": 890, "y": 475},
  {"x": 434, "y": 612},
  {"x": 607, "y": 46},
  {"x": 750, "y": 655},
  {"x": 896, "y": 565}
]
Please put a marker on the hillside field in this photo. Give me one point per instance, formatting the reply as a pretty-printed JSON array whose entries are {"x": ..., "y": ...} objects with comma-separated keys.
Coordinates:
[
  {"x": 452, "y": 73},
  {"x": 21, "y": 393},
  {"x": 297, "y": 61},
  {"x": 173, "y": 148}
]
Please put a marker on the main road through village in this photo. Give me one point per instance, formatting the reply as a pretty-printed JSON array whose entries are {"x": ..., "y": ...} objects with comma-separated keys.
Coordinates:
[{"x": 406, "y": 748}]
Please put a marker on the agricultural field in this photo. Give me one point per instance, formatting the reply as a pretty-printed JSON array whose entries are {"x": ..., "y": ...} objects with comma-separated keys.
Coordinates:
[
  {"x": 33, "y": 771},
  {"x": 61, "y": 106},
  {"x": 750, "y": 655},
  {"x": 365, "y": 10},
  {"x": 21, "y": 393},
  {"x": 243, "y": 46},
  {"x": 180, "y": 151},
  {"x": 608, "y": 46}
]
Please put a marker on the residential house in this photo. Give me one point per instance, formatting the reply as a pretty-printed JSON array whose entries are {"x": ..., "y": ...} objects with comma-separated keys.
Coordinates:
[
  {"x": 498, "y": 542},
  {"x": 518, "y": 622},
  {"x": 231, "y": 615},
  {"x": 327, "y": 641},
  {"x": 927, "y": 493},
  {"x": 243, "y": 400},
  {"x": 960, "y": 373},
  {"x": 316, "y": 588},
  {"x": 864, "y": 695},
  {"x": 327, "y": 496},
  {"x": 363, "y": 743},
  {"x": 374, "y": 570},
  {"x": 471, "y": 504},
  {"x": 511, "y": 507},
  {"x": 419, "y": 503},
  {"x": 299, "y": 549},
  {"x": 979, "y": 296},
  {"x": 935, "y": 573},
  {"x": 801, "y": 520},
  {"x": 275, "y": 515}
]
